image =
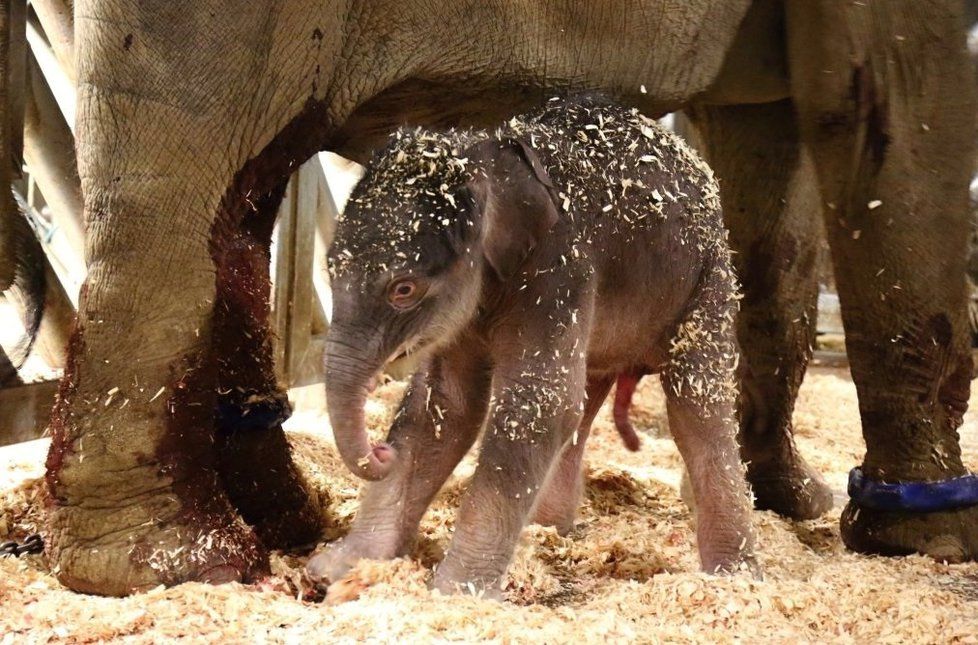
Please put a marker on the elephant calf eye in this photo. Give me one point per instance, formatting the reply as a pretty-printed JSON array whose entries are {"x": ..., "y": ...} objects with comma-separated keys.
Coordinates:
[{"x": 404, "y": 293}]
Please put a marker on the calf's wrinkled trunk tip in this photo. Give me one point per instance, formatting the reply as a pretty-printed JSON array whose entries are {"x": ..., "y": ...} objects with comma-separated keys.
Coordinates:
[{"x": 346, "y": 396}]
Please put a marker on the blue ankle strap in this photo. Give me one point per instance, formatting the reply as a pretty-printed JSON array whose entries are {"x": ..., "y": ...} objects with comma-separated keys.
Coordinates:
[{"x": 913, "y": 497}]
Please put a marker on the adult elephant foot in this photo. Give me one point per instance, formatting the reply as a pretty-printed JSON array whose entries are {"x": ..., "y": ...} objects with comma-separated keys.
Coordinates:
[
  {"x": 789, "y": 488},
  {"x": 950, "y": 536},
  {"x": 124, "y": 549},
  {"x": 142, "y": 505}
]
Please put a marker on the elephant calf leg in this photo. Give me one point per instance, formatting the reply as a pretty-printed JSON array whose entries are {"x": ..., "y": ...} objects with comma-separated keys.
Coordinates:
[
  {"x": 531, "y": 421},
  {"x": 561, "y": 495},
  {"x": 699, "y": 383},
  {"x": 437, "y": 423},
  {"x": 254, "y": 456}
]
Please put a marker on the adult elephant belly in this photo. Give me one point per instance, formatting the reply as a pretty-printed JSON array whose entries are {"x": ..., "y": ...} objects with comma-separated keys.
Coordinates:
[{"x": 715, "y": 53}]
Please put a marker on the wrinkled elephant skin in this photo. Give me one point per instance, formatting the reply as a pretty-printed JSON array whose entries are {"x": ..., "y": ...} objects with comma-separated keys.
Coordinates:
[
  {"x": 191, "y": 116},
  {"x": 575, "y": 243}
]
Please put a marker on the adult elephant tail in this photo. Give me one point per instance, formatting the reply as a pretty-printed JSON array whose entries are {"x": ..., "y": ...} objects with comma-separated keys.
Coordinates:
[{"x": 22, "y": 278}]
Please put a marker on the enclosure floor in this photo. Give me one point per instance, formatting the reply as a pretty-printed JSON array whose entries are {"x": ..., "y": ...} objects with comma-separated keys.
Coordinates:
[{"x": 627, "y": 573}]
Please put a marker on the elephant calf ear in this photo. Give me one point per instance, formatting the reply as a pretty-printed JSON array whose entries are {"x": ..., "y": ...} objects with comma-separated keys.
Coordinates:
[{"x": 517, "y": 208}]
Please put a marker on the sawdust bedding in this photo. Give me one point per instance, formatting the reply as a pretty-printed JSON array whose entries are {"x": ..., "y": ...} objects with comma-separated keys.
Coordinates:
[{"x": 628, "y": 572}]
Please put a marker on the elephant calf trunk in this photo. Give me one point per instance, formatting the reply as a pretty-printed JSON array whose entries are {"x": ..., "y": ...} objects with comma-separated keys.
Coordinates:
[{"x": 345, "y": 400}]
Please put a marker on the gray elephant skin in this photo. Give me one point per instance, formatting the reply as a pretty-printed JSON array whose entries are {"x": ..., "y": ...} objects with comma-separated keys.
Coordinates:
[
  {"x": 530, "y": 267},
  {"x": 191, "y": 116}
]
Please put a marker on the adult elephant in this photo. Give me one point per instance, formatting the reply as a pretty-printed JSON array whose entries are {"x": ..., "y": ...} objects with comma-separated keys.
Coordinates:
[{"x": 192, "y": 115}]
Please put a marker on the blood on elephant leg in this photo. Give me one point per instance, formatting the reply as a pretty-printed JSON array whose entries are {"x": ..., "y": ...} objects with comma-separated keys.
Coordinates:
[
  {"x": 770, "y": 204},
  {"x": 889, "y": 122},
  {"x": 253, "y": 454},
  {"x": 136, "y": 499},
  {"x": 561, "y": 495}
]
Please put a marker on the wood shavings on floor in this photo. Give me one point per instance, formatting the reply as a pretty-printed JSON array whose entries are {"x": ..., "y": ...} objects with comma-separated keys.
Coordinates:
[{"x": 628, "y": 571}]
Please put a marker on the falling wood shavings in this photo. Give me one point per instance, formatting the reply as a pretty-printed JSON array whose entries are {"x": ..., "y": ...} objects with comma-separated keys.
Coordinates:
[{"x": 627, "y": 572}]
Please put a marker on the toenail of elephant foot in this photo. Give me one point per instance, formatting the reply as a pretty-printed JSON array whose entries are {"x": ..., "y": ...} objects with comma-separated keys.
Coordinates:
[
  {"x": 949, "y": 536},
  {"x": 795, "y": 491}
]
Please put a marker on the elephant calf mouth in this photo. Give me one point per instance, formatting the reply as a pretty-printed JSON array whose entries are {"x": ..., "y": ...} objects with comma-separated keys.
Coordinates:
[{"x": 404, "y": 357}]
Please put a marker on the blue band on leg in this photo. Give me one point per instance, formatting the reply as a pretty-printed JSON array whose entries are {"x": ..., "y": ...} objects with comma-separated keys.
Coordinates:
[{"x": 913, "y": 497}]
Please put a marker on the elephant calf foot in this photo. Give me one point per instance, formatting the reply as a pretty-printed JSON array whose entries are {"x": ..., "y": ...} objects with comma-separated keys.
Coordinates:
[
  {"x": 950, "y": 536},
  {"x": 791, "y": 489},
  {"x": 451, "y": 579},
  {"x": 336, "y": 560}
]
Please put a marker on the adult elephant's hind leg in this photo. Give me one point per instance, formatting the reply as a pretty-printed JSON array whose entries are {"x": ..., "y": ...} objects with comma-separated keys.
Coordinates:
[
  {"x": 771, "y": 207},
  {"x": 252, "y": 451},
  {"x": 886, "y": 102}
]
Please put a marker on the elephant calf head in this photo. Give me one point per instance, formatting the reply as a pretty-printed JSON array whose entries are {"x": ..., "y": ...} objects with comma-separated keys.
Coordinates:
[{"x": 434, "y": 218}]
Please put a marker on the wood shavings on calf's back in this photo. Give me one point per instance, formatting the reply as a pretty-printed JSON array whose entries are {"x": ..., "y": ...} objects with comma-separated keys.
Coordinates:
[{"x": 616, "y": 171}]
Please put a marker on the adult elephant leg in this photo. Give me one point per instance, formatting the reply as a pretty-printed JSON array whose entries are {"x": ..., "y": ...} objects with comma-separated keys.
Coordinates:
[
  {"x": 169, "y": 156},
  {"x": 253, "y": 454},
  {"x": 886, "y": 103},
  {"x": 136, "y": 496},
  {"x": 770, "y": 205}
]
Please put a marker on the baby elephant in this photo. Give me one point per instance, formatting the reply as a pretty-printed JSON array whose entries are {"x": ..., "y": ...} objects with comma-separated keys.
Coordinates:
[{"x": 530, "y": 266}]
